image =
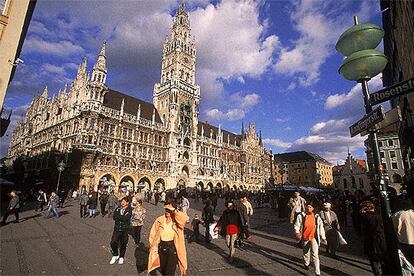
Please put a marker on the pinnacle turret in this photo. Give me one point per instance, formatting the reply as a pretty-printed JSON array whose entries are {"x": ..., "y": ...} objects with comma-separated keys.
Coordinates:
[
  {"x": 99, "y": 69},
  {"x": 45, "y": 93},
  {"x": 82, "y": 69}
]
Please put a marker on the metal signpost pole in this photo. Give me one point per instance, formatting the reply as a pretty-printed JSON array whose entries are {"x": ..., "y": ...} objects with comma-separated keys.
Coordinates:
[{"x": 362, "y": 63}]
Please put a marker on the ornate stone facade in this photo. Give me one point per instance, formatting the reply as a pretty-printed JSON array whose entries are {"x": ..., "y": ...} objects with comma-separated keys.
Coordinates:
[{"x": 122, "y": 140}]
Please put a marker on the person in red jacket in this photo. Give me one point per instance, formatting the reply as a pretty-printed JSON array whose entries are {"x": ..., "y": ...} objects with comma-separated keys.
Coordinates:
[{"x": 230, "y": 226}]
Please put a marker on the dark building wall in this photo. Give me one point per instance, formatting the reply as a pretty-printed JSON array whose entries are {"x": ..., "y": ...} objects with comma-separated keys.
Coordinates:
[{"x": 398, "y": 23}]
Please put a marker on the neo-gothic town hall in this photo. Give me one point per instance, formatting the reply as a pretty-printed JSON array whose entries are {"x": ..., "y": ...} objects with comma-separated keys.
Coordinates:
[{"x": 108, "y": 138}]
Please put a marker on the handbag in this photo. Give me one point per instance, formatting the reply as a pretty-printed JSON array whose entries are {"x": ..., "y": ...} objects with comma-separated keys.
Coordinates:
[{"x": 341, "y": 239}]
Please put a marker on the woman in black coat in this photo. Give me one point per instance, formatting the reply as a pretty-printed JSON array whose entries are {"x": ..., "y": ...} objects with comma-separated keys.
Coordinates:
[{"x": 374, "y": 237}]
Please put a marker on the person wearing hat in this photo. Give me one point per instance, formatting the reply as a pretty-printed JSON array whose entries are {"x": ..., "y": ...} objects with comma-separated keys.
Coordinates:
[
  {"x": 309, "y": 229},
  {"x": 167, "y": 242},
  {"x": 13, "y": 208},
  {"x": 229, "y": 226},
  {"x": 331, "y": 227},
  {"x": 119, "y": 241}
]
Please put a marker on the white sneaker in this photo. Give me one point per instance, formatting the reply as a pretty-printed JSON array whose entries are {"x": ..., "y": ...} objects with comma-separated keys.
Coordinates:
[
  {"x": 121, "y": 261},
  {"x": 114, "y": 259}
]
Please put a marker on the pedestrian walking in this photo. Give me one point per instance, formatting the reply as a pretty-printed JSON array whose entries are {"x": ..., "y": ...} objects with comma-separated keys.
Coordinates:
[
  {"x": 243, "y": 211},
  {"x": 112, "y": 203},
  {"x": 185, "y": 204},
  {"x": 166, "y": 241},
  {"x": 230, "y": 225},
  {"x": 137, "y": 221},
  {"x": 156, "y": 198},
  {"x": 214, "y": 201},
  {"x": 331, "y": 227},
  {"x": 53, "y": 205},
  {"x": 195, "y": 228},
  {"x": 208, "y": 219},
  {"x": 403, "y": 221},
  {"x": 297, "y": 206},
  {"x": 92, "y": 204},
  {"x": 12, "y": 208},
  {"x": 374, "y": 237},
  {"x": 309, "y": 229},
  {"x": 103, "y": 200},
  {"x": 83, "y": 202},
  {"x": 119, "y": 241},
  {"x": 42, "y": 200}
]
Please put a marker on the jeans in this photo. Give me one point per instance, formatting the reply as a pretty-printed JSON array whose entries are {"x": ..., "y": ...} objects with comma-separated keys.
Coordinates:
[
  {"x": 230, "y": 240},
  {"x": 92, "y": 212},
  {"x": 83, "y": 210},
  {"x": 51, "y": 211}
]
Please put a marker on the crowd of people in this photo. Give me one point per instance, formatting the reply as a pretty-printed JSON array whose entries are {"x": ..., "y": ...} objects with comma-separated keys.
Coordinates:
[{"x": 167, "y": 239}]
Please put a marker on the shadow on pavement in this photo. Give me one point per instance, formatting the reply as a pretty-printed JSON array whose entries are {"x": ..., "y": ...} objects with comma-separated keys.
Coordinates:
[
  {"x": 289, "y": 260},
  {"x": 237, "y": 262},
  {"x": 141, "y": 258}
]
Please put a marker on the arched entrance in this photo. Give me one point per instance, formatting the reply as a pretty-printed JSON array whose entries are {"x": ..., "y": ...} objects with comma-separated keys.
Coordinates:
[
  {"x": 159, "y": 184},
  {"x": 185, "y": 171},
  {"x": 209, "y": 187},
  {"x": 144, "y": 184},
  {"x": 127, "y": 184},
  {"x": 200, "y": 186},
  {"x": 106, "y": 183}
]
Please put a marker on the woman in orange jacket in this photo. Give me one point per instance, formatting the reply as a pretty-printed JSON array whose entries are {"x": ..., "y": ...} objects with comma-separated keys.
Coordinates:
[{"x": 167, "y": 243}]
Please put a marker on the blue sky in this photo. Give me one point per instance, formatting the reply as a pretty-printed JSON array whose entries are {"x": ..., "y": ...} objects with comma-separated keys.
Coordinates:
[{"x": 270, "y": 62}]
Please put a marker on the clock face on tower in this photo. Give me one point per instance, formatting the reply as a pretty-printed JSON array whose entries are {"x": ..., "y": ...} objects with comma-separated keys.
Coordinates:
[{"x": 186, "y": 60}]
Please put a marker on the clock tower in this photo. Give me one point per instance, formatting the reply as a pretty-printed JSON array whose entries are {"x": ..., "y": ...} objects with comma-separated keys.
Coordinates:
[{"x": 177, "y": 96}]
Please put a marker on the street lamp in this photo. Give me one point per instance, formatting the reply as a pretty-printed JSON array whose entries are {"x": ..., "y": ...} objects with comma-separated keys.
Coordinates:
[
  {"x": 363, "y": 63},
  {"x": 60, "y": 168}
]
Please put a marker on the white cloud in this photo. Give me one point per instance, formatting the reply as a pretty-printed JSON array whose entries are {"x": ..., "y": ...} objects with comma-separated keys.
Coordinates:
[
  {"x": 331, "y": 126},
  {"x": 330, "y": 139},
  {"x": 354, "y": 96},
  {"x": 61, "y": 48},
  {"x": 319, "y": 24},
  {"x": 60, "y": 70},
  {"x": 238, "y": 47},
  {"x": 231, "y": 115},
  {"x": 277, "y": 143},
  {"x": 238, "y": 105},
  {"x": 282, "y": 120}
]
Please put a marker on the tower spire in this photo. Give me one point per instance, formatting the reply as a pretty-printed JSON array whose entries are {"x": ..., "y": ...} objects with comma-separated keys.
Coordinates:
[
  {"x": 45, "y": 93},
  {"x": 242, "y": 130},
  {"x": 99, "y": 69},
  {"x": 82, "y": 69},
  {"x": 260, "y": 137}
]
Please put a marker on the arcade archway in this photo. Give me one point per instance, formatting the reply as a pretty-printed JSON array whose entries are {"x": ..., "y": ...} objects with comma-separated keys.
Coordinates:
[
  {"x": 159, "y": 184},
  {"x": 127, "y": 184},
  {"x": 106, "y": 183},
  {"x": 145, "y": 184}
]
